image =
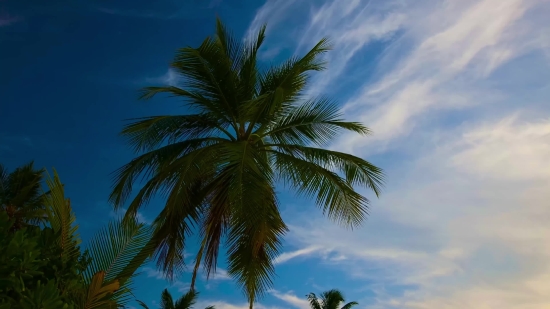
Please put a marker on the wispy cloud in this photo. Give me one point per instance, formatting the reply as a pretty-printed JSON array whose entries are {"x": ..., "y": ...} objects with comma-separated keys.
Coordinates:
[
  {"x": 460, "y": 90},
  {"x": 7, "y": 19},
  {"x": 119, "y": 214},
  {"x": 287, "y": 256},
  {"x": 291, "y": 299}
]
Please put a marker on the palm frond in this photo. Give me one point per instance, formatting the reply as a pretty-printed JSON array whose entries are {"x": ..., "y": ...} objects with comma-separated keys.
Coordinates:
[
  {"x": 284, "y": 84},
  {"x": 202, "y": 68},
  {"x": 316, "y": 121},
  {"x": 187, "y": 300},
  {"x": 149, "y": 163},
  {"x": 98, "y": 293},
  {"x": 150, "y": 132},
  {"x": 114, "y": 247},
  {"x": 61, "y": 218},
  {"x": 174, "y": 224},
  {"x": 357, "y": 171},
  {"x": 336, "y": 197},
  {"x": 248, "y": 72},
  {"x": 255, "y": 233},
  {"x": 166, "y": 301},
  {"x": 350, "y": 305},
  {"x": 332, "y": 299},
  {"x": 314, "y": 301}
]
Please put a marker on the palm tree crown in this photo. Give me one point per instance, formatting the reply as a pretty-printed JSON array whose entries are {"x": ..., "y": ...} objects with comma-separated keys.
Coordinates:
[
  {"x": 331, "y": 299},
  {"x": 217, "y": 166},
  {"x": 187, "y": 301},
  {"x": 21, "y": 195}
]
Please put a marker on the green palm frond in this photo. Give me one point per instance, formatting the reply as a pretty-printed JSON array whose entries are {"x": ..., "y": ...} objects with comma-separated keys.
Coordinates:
[
  {"x": 216, "y": 167},
  {"x": 114, "y": 247},
  {"x": 350, "y": 305},
  {"x": 166, "y": 301},
  {"x": 61, "y": 218},
  {"x": 331, "y": 299},
  {"x": 314, "y": 301},
  {"x": 187, "y": 300},
  {"x": 316, "y": 121},
  {"x": 21, "y": 195}
]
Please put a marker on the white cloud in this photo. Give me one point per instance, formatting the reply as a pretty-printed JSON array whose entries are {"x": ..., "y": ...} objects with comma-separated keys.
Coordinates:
[
  {"x": 287, "y": 256},
  {"x": 153, "y": 273},
  {"x": 290, "y": 298},
  {"x": 461, "y": 92},
  {"x": 170, "y": 78},
  {"x": 219, "y": 304},
  {"x": 6, "y": 20}
]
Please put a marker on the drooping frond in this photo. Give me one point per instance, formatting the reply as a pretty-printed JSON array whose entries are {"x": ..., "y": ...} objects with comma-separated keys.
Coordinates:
[
  {"x": 316, "y": 121},
  {"x": 336, "y": 197},
  {"x": 61, "y": 218},
  {"x": 357, "y": 171},
  {"x": 350, "y": 305},
  {"x": 174, "y": 224},
  {"x": 314, "y": 301},
  {"x": 167, "y": 158},
  {"x": 150, "y": 132}
]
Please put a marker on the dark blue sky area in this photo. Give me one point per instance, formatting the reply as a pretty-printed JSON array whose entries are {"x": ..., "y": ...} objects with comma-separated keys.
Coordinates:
[{"x": 70, "y": 75}]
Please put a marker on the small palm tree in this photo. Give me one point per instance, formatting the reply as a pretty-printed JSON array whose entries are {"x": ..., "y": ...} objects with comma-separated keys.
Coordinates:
[
  {"x": 114, "y": 252},
  {"x": 331, "y": 299},
  {"x": 217, "y": 167},
  {"x": 185, "y": 302},
  {"x": 21, "y": 195}
]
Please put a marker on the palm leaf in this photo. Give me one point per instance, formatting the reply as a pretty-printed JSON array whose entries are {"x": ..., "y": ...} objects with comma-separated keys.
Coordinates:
[
  {"x": 314, "y": 301},
  {"x": 61, "y": 218},
  {"x": 98, "y": 293}
]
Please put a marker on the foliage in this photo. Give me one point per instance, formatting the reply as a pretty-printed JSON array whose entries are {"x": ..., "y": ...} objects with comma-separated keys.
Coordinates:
[
  {"x": 32, "y": 269},
  {"x": 331, "y": 299},
  {"x": 43, "y": 266},
  {"x": 186, "y": 301},
  {"x": 21, "y": 195},
  {"x": 217, "y": 167}
]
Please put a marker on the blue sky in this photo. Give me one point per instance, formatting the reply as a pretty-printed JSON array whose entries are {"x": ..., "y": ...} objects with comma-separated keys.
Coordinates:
[{"x": 456, "y": 92}]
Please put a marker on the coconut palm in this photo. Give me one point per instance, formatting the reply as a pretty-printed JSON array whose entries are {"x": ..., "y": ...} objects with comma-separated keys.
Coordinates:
[
  {"x": 246, "y": 130},
  {"x": 331, "y": 299},
  {"x": 184, "y": 302},
  {"x": 21, "y": 195}
]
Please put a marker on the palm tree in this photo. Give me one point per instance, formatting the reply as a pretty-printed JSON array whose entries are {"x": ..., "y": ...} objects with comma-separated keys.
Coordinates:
[
  {"x": 21, "y": 195},
  {"x": 185, "y": 302},
  {"x": 331, "y": 299},
  {"x": 248, "y": 129},
  {"x": 112, "y": 252}
]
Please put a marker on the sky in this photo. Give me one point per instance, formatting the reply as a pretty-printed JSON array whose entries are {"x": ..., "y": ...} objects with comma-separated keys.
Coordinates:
[{"x": 457, "y": 94}]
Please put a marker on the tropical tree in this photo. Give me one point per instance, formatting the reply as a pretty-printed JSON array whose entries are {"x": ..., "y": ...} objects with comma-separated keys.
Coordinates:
[
  {"x": 217, "y": 166},
  {"x": 184, "y": 302},
  {"x": 43, "y": 266},
  {"x": 331, "y": 299},
  {"x": 21, "y": 195}
]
